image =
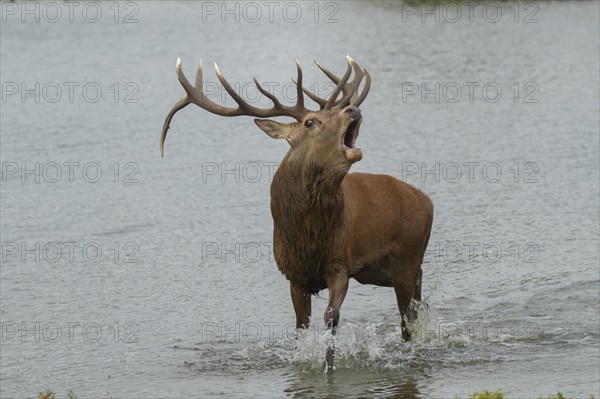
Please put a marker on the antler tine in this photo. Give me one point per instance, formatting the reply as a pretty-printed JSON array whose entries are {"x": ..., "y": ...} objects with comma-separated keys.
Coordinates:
[
  {"x": 352, "y": 87},
  {"x": 236, "y": 97},
  {"x": 359, "y": 74},
  {"x": 266, "y": 93},
  {"x": 182, "y": 103},
  {"x": 349, "y": 90},
  {"x": 364, "y": 92},
  {"x": 327, "y": 72},
  {"x": 299, "y": 92},
  {"x": 196, "y": 95},
  {"x": 198, "y": 82},
  {"x": 339, "y": 87},
  {"x": 321, "y": 101},
  {"x": 314, "y": 97}
]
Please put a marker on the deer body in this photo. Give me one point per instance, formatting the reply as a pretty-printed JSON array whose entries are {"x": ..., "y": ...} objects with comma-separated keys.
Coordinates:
[
  {"x": 330, "y": 226},
  {"x": 373, "y": 228}
]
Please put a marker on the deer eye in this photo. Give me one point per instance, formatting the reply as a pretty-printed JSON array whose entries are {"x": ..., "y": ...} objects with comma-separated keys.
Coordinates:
[{"x": 309, "y": 122}]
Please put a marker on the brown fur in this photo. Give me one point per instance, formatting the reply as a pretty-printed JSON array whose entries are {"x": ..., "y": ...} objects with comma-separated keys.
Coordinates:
[{"x": 330, "y": 226}]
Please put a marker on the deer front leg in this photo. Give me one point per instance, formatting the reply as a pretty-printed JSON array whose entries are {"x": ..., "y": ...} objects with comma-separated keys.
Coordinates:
[
  {"x": 302, "y": 306},
  {"x": 338, "y": 286}
]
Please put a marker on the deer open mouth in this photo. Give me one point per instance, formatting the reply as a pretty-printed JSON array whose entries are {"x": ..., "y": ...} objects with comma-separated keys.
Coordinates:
[
  {"x": 351, "y": 152},
  {"x": 351, "y": 134}
]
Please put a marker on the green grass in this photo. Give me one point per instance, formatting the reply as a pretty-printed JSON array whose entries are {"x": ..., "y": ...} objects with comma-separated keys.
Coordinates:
[
  {"x": 488, "y": 395},
  {"x": 49, "y": 394},
  {"x": 498, "y": 394}
]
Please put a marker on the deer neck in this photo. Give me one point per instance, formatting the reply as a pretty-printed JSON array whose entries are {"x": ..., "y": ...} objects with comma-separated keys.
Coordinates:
[
  {"x": 307, "y": 205},
  {"x": 307, "y": 199}
]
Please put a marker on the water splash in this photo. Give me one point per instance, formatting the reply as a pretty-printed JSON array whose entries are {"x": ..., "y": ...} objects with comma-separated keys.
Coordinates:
[
  {"x": 362, "y": 344},
  {"x": 368, "y": 345}
]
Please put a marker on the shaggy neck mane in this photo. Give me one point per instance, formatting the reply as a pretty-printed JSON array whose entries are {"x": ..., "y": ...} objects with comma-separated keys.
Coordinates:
[{"x": 307, "y": 207}]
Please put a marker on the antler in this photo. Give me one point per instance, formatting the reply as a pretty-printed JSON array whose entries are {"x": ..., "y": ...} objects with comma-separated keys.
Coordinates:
[
  {"x": 195, "y": 95},
  {"x": 349, "y": 90}
]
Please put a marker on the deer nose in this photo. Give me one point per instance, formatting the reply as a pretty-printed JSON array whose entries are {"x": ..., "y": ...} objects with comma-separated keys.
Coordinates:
[{"x": 353, "y": 112}]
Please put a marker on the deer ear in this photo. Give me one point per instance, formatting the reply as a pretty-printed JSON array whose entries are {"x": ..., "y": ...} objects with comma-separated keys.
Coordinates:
[{"x": 276, "y": 130}]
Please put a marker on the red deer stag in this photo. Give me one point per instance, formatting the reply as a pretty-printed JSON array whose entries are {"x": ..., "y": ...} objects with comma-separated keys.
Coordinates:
[{"x": 330, "y": 225}]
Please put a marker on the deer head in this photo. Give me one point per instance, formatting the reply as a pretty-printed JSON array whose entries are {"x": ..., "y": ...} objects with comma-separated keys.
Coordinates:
[{"x": 324, "y": 137}]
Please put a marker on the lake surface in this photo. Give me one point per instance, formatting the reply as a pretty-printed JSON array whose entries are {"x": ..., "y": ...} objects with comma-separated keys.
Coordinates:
[{"x": 126, "y": 275}]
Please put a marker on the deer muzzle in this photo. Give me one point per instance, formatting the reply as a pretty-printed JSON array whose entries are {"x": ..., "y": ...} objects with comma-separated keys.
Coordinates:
[{"x": 351, "y": 152}]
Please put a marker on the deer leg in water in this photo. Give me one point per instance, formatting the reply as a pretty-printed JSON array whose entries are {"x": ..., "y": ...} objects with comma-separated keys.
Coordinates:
[
  {"x": 417, "y": 294},
  {"x": 412, "y": 313},
  {"x": 338, "y": 286},
  {"x": 405, "y": 288},
  {"x": 302, "y": 306}
]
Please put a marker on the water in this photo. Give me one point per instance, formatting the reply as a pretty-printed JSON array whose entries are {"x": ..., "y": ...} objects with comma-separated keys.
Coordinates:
[{"x": 185, "y": 299}]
